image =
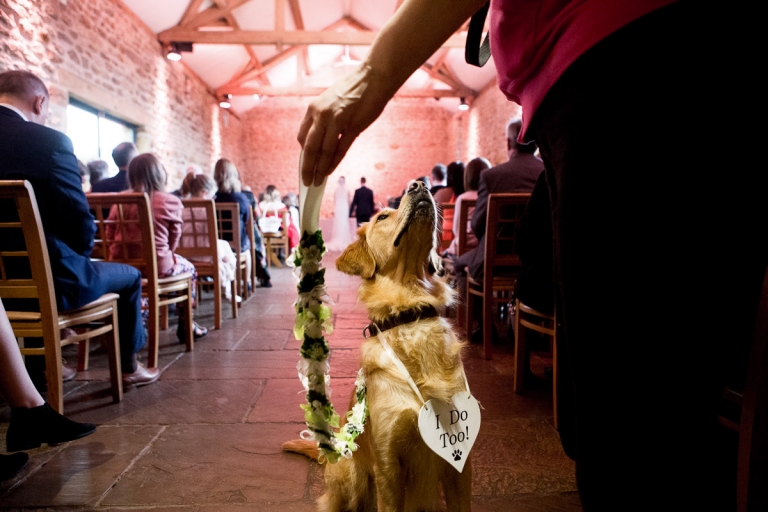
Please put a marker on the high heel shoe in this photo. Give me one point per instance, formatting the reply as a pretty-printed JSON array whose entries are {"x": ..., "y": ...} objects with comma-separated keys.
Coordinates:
[
  {"x": 197, "y": 331},
  {"x": 29, "y": 428}
]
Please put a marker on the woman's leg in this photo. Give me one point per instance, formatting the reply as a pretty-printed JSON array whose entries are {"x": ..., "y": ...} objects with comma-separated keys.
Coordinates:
[{"x": 15, "y": 385}]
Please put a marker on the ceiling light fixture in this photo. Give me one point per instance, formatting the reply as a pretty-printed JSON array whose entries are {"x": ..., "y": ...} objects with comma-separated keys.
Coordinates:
[
  {"x": 173, "y": 51},
  {"x": 225, "y": 103},
  {"x": 256, "y": 97},
  {"x": 463, "y": 105}
]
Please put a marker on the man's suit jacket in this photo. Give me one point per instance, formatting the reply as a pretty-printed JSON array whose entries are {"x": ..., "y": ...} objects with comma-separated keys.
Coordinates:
[
  {"x": 45, "y": 158},
  {"x": 519, "y": 174},
  {"x": 362, "y": 203},
  {"x": 117, "y": 183}
]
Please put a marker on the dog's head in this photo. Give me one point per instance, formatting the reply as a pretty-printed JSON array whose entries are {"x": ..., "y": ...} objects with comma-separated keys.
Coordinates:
[{"x": 398, "y": 246}]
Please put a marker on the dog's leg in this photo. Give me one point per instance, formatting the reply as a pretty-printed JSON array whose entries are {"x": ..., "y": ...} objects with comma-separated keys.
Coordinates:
[
  {"x": 390, "y": 487},
  {"x": 458, "y": 488}
]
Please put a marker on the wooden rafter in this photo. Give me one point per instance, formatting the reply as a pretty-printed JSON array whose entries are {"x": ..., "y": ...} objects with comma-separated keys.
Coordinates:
[
  {"x": 314, "y": 91},
  {"x": 453, "y": 83},
  {"x": 211, "y": 14},
  {"x": 272, "y": 62},
  {"x": 253, "y": 62},
  {"x": 288, "y": 38},
  {"x": 192, "y": 9},
  {"x": 298, "y": 21}
]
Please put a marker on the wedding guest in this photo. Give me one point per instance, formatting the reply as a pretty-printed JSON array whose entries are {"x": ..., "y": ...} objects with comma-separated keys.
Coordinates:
[{"x": 147, "y": 174}]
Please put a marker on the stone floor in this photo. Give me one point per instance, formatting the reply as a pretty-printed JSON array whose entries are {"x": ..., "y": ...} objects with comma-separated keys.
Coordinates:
[{"x": 207, "y": 436}]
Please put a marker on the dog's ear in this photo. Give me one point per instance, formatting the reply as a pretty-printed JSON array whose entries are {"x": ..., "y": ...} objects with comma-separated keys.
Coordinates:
[{"x": 357, "y": 259}]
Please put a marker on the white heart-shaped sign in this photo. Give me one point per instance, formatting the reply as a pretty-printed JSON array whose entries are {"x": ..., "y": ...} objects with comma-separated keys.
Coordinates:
[{"x": 450, "y": 429}]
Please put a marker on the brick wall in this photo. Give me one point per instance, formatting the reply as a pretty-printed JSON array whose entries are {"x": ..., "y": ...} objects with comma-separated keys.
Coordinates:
[
  {"x": 404, "y": 143},
  {"x": 99, "y": 52},
  {"x": 482, "y": 129}
]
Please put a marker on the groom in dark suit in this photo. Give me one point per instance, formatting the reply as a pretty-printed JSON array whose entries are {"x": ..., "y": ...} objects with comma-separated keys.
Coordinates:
[
  {"x": 44, "y": 157},
  {"x": 362, "y": 203}
]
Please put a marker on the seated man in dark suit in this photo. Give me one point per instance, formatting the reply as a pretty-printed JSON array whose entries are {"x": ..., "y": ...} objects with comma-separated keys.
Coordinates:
[
  {"x": 44, "y": 157},
  {"x": 518, "y": 174},
  {"x": 122, "y": 155}
]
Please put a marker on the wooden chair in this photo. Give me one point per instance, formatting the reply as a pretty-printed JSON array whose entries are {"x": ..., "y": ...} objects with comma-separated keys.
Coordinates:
[
  {"x": 502, "y": 264},
  {"x": 136, "y": 247},
  {"x": 228, "y": 225},
  {"x": 750, "y": 420},
  {"x": 25, "y": 274},
  {"x": 446, "y": 212},
  {"x": 198, "y": 245},
  {"x": 274, "y": 242},
  {"x": 466, "y": 208},
  {"x": 529, "y": 319}
]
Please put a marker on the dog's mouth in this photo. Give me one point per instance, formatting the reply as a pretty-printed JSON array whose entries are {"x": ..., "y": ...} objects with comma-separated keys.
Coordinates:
[{"x": 419, "y": 208}]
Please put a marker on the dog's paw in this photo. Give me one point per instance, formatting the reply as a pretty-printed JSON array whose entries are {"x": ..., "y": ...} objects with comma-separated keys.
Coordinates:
[{"x": 456, "y": 454}]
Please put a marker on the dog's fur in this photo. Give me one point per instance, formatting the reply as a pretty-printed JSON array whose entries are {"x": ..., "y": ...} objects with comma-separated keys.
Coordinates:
[{"x": 393, "y": 470}]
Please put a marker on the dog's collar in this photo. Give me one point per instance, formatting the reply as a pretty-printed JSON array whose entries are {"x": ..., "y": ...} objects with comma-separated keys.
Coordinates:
[{"x": 405, "y": 317}]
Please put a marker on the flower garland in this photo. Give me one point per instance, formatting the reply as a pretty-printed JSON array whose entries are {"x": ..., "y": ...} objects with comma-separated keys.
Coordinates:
[{"x": 313, "y": 316}]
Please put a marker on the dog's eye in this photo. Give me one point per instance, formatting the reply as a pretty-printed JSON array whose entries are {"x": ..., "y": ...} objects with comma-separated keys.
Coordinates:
[{"x": 382, "y": 217}]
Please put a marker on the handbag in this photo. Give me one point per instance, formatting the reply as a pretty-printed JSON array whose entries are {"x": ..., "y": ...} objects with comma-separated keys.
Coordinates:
[{"x": 270, "y": 224}]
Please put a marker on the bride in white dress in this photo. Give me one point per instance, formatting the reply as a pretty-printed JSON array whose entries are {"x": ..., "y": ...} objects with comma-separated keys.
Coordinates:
[{"x": 341, "y": 236}]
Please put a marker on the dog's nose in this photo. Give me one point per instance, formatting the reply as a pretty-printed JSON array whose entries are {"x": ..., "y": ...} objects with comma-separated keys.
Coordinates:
[{"x": 416, "y": 186}]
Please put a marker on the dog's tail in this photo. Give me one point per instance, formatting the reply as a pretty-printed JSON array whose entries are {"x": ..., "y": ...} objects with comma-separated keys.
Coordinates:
[{"x": 303, "y": 446}]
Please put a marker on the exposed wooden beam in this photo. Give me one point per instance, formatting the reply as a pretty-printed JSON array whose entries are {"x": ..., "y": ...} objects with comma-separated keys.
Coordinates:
[
  {"x": 280, "y": 20},
  {"x": 256, "y": 73},
  {"x": 192, "y": 9},
  {"x": 210, "y": 15},
  {"x": 291, "y": 38},
  {"x": 298, "y": 21},
  {"x": 314, "y": 91},
  {"x": 451, "y": 82}
]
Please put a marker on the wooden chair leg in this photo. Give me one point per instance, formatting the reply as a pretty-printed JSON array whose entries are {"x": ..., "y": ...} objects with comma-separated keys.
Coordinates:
[
  {"x": 83, "y": 353},
  {"x": 233, "y": 285},
  {"x": 487, "y": 320},
  {"x": 54, "y": 383},
  {"x": 520, "y": 342},
  {"x": 153, "y": 331},
  {"x": 216, "y": 301},
  {"x": 187, "y": 304},
  {"x": 164, "y": 318},
  {"x": 113, "y": 354}
]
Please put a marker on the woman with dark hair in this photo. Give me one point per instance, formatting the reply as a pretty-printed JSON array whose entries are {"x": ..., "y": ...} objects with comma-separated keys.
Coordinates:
[
  {"x": 147, "y": 174},
  {"x": 448, "y": 194},
  {"x": 471, "y": 180}
]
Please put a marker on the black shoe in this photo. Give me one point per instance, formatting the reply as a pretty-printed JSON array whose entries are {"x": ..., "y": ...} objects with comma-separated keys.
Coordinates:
[
  {"x": 29, "y": 428},
  {"x": 10, "y": 465},
  {"x": 265, "y": 283},
  {"x": 198, "y": 331}
]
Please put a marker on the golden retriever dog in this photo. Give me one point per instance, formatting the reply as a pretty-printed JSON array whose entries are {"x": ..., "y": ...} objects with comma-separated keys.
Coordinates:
[{"x": 393, "y": 470}]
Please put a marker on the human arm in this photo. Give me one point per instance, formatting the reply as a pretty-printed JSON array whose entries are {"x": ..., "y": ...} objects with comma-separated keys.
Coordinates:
[
  {"x": 70, "y": 212},
  {"x": 336, "y": 117},
  {"x": 481, "y": 207},
  {"x": 353, "y": 205}
]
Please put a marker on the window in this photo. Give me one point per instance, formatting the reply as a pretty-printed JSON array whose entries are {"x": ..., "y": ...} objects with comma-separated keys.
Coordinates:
[{"x": 95, "y": 133}]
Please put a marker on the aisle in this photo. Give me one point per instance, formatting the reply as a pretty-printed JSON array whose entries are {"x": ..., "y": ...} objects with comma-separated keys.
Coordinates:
[{"x": 207, "y": 436}]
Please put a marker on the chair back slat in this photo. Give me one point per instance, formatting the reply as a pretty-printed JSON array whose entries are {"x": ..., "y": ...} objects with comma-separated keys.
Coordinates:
[
  {"x": 466, "y": 209},
  {"x": 446, "y": 211},
  {"x": 228, "y": 224},
  {"x": 504, "y": 213},
  {"x": 200, "y": 232},
  {"x": 25, "y": 267},
  {"x": 125, "y": 232}
]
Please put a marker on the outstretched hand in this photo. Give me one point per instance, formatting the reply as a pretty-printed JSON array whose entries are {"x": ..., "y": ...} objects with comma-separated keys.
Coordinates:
[{"x": 335, "y": 119}]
